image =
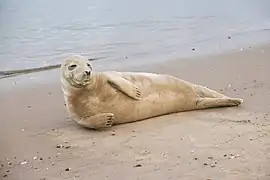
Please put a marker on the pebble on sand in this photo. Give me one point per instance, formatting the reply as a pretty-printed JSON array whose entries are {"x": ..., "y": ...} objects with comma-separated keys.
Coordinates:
[
  {"x": 138, "y": 165},
  {"x": 113, "y": 133},
  {"x": 59, "y": 146},
  {"x": 24, "y": 162},
  {"x": 68, "y": 169}
]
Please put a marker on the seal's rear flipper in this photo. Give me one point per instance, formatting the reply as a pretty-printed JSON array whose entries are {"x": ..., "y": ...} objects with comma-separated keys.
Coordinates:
[
  {"x": 204, "y": 103},
  {"x": 205, "y": 92}
]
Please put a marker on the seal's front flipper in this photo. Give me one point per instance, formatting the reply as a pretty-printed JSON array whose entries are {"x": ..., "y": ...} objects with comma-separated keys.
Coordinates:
[
  {"x": 125, "y": 86},
  {"x": 99, "y": 121}
]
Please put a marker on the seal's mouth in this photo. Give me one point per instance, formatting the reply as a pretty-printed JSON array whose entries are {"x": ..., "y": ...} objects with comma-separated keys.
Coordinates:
[{"x": 79, "y": 84}]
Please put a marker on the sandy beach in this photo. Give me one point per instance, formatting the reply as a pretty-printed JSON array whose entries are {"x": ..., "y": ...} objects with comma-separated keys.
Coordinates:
[{"x": 39, "y": 141}]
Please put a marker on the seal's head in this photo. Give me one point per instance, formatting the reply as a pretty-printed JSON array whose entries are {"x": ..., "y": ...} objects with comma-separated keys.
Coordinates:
[{"x": 77, "y": 70}]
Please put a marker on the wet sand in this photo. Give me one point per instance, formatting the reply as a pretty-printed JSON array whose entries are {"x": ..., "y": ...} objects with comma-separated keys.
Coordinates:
[{"x": 39, "y": 141}]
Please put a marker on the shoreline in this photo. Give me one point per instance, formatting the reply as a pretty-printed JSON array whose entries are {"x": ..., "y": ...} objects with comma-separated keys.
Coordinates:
[
  {"x": 50, "y": 71},
  {"x": 223, "y": 143}
]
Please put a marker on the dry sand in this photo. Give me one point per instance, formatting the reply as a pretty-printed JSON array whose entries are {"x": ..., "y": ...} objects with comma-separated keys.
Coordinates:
[{"x": 39, "y": 141}]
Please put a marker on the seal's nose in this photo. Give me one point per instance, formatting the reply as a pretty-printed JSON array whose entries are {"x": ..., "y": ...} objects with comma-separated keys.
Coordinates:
[{"x": 87, "y": 73}]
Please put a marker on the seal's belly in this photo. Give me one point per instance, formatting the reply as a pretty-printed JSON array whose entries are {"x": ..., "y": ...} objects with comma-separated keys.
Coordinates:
[
  {"x": 160, "y": 95},
  {"x": 153, "y": 103}
]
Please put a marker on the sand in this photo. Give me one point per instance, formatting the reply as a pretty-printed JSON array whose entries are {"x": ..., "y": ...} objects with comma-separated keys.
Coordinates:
[{"x": 39, "y": 141}]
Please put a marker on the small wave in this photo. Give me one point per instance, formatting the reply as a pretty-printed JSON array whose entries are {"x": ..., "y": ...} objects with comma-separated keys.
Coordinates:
[{"x": 11, "y": 73}]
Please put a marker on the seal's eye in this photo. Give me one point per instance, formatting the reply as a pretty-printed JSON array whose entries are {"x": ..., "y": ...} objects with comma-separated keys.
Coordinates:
[{"x": 71, "y": 67}]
